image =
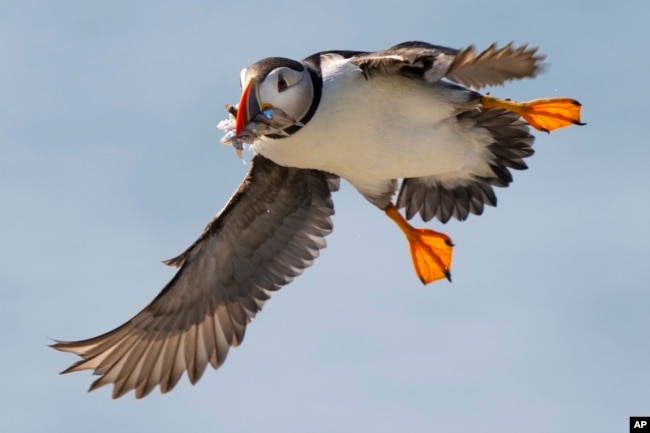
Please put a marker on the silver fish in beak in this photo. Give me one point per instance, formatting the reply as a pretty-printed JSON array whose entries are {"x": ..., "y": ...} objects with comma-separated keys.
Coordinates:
[{"x": 251, "y": 119}]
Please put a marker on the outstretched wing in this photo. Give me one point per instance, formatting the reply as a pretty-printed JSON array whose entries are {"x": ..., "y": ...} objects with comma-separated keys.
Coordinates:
[
  {"x": 432, "y": 62},
  {"x": 269, "y": 232}
]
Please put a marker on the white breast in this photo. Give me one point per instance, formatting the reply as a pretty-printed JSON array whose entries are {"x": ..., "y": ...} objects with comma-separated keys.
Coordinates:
[{"x": 369, "y": 131}]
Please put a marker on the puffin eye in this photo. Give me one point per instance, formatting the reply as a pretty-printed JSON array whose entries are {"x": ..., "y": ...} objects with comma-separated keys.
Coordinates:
[{"x": 282, "y": 83}]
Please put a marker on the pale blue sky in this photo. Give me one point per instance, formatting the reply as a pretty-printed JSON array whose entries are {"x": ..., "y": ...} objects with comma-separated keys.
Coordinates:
[{"x": 110, "y": 162}]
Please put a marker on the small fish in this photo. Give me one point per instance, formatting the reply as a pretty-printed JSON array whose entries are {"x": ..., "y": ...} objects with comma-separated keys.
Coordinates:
[
  {"x": 230, "y": 138},
  {"x": 276, "y": 118},
  {"x": 271, "y": 120}
]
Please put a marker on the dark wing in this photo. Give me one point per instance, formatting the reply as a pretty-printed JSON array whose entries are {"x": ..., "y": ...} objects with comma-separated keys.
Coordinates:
[
  {"x": 457, "y": 195},
  {"x": 269, "y": 232},
  {"x": 432, "y": 62}
]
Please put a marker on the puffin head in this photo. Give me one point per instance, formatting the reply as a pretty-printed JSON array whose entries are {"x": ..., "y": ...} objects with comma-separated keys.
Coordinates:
[{"x": 277, "y": 94}]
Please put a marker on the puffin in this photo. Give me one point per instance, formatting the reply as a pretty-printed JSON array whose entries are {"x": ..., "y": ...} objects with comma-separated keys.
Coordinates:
[{"x": 406, "y": 126}]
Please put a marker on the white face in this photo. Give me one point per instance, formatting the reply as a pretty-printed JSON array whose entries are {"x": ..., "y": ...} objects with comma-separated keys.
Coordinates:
[{"x": 287, "y": 89}]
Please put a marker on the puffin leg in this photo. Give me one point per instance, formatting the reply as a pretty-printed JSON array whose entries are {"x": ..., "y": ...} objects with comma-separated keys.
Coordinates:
[
  {"x": 430, "y": 250},
  {"x": 542, "y": 114}
]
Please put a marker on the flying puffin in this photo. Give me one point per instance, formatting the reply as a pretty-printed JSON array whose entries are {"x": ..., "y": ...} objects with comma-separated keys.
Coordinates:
[{"x": 407, "y": 120}]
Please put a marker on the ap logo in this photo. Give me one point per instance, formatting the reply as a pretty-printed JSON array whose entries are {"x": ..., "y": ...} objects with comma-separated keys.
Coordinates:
[{"x": 640, "y": 424}]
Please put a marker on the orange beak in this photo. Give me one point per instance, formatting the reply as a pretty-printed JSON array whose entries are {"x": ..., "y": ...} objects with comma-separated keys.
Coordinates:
[{"x": 249, "y": 106}]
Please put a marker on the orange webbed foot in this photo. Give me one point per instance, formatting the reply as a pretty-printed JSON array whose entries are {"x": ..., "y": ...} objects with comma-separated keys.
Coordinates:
[
  {"x": 431, "y": 251},
  {"x": 542, "y": 114}
]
